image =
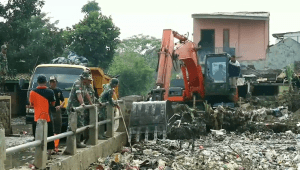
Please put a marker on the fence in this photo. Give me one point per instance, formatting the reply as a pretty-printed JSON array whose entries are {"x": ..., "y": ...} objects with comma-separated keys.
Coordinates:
[{"x": 41, "y": 139}]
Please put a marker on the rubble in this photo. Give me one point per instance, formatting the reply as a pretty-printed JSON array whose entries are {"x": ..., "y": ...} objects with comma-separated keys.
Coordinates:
[
  {"x": 236, "y": 151},
  {"x": 192, "y": 123},
  {"x": 245, "y": 137}
]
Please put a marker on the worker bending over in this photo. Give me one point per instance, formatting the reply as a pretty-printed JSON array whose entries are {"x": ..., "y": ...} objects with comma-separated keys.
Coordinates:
[{"x": 77, "y": 97}]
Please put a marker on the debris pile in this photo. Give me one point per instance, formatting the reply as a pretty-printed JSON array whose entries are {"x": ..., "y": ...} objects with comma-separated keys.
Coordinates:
[
  {"x": 186, "y": 123},
  {"x": 189, "y": 123},
  {"x": 73, "y": 58},
  {"x": 289, "y": 99},
  {"x": 217, "y": 150}
]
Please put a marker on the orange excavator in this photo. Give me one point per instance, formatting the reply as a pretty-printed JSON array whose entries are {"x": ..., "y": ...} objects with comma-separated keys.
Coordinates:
[
  {"x": 195, "y": 87},
  {"x": 186, "y": 53}
]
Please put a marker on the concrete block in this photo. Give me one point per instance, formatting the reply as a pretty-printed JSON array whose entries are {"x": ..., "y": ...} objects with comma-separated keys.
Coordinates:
[
  {"x": 110, "y": 125},
  {"x": 2, "y": 148},
  {"x": 5, "y": 114},
  {"x": 71, "y": 140},
  {"x": 84, "y": 157},
  {"x": 40, "y": 156},
  {"x": 122, "y": 111},
  {"x": 93, "y": 132}
]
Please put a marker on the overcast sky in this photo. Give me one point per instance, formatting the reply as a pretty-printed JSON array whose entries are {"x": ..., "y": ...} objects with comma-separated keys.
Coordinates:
[{"x": 151, "y": 17}]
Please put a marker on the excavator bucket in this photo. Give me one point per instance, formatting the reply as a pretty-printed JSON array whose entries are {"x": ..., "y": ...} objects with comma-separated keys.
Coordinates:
[{"x": 149, "y": 117}]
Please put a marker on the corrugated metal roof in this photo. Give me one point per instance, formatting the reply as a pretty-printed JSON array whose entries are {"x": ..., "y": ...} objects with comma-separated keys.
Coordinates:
[
  {"x": 280, "y": 35},
  {"x": 234, "y": 15}
]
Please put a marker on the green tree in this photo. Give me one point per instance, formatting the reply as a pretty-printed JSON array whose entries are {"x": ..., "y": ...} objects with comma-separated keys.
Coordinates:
[
  {"x": 145, "y": 45},
  {"x": 136, "y": 76},
  {"x": 136, "y": 61},
  {"x": 15, "y": 13},
  {"x": 43, "y": 44},
  {"x": 29, "y": 34},
  {"x": 91, "y": 6},
  {"x": 95, "y": 37}
]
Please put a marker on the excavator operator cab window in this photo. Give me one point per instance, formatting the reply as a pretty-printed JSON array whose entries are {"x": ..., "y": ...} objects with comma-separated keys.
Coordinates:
[
  {"x": 176, "y": 87},
  {"x": 216, "y": 69}
]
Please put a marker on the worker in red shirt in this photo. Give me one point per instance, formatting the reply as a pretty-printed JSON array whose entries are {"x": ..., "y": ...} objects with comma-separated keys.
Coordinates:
[{"x": 41, "y": 98}]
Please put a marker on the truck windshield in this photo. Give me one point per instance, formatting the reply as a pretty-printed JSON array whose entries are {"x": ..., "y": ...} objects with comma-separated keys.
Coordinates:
[
  {"x": 216, "y": 69},
  {"x": 66, "y": 76}
]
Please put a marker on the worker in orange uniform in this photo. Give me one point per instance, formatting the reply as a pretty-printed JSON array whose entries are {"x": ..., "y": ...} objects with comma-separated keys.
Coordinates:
[
  {"x": 56, "y": 111},
  {"x": 41, "y": 98}
]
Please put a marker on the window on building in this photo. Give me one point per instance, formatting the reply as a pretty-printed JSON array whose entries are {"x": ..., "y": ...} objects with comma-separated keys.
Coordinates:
[{"x": 226, "y": 38}]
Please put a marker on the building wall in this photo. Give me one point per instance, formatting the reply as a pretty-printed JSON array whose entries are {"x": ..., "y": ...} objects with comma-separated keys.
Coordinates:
[
  {"x": 278, "y": 56},
  {"x": 294, "y": 36},
  {"x": 250, "y": 38}
]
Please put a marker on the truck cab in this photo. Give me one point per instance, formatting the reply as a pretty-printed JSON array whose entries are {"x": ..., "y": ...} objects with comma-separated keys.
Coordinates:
[{"x": 66, "y": 75}]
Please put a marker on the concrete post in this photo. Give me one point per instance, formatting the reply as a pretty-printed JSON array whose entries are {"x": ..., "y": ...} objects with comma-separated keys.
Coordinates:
[
  {"x": 110, "y": 125},
  {"x": 71, "y": 140},
  {"x": 122, "y": 127},
  {"x": 2, "y": 148},
  {"x": 101, "y": 129},
  {"x": 93, "y": 132},
  {"x": 40, "y": 156}
]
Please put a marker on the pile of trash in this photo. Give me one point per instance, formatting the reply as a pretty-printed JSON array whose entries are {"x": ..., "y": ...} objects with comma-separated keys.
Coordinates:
[
  {"x": 286, "y": 99},
  {"x": 217, "y": 150},
  {"x": 188, "y": 123},
  {"x": 289, "y": 99},
  {"x": 73, "y": 58}
]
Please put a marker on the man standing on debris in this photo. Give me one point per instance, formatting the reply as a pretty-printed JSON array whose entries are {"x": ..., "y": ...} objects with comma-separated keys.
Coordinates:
[
  {"x": 77, "y": 97},
  {"x": 3, "y": 67},
  {"x": 56, "y": 111},
  {"x": 41, "y": 98},
  {"x": 234, "y": 72},
  {"x": 107, "y": 96}
]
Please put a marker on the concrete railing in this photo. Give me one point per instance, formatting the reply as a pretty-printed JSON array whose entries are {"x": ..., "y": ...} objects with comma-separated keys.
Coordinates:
[{"x": 41, "y": 139}]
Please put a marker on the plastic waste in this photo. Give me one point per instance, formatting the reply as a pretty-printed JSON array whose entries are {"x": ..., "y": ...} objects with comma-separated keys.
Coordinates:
[
  {"x": 148, "y": 152},
  {"x": 72, "y": 58}
]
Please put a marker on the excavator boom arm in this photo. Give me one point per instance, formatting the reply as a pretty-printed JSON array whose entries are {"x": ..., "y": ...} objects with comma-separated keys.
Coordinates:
[{"x": 187, "y": 53}]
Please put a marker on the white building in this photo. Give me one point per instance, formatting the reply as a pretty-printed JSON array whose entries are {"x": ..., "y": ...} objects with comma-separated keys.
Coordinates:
[{"x": 293, "y": 35}]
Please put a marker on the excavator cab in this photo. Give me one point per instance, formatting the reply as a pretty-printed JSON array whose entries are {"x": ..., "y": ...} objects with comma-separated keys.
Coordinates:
[
  {"x": 217, "y": 87},
  {"x": 176, "y": 87}
]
